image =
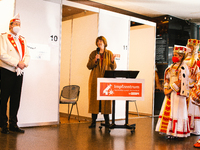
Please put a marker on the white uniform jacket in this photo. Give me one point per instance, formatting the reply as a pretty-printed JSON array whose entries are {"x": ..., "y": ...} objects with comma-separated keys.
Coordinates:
[{"x": 9, "y": 54}]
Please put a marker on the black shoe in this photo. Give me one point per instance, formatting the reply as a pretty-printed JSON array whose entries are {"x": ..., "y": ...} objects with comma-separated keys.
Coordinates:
[
  {"x": 5, "y": 130},
  {"x": 93, "y": 125},
  {"x": 16, "y": 129}
]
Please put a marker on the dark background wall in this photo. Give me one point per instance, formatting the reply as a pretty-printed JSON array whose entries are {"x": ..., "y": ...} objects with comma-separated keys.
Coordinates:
[{"x": 170, "y": 31}]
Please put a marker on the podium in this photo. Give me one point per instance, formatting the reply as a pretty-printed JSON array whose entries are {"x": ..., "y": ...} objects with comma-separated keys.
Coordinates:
[{"x": 120, "y": 74}]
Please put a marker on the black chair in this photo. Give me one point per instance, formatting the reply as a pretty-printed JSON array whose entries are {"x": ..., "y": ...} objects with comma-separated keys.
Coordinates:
[{"x": 69, "y": 95}]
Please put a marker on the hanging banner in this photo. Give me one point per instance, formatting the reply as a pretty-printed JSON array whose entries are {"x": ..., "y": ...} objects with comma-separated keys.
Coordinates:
[{"x": 120, "y": 89}]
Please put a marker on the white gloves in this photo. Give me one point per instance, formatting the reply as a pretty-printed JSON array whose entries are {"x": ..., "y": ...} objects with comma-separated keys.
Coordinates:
[{"x": 19, "y": 72}]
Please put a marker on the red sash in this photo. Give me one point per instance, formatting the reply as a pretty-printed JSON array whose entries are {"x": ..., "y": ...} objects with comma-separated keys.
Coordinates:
[{"x": 21, "y": 40}]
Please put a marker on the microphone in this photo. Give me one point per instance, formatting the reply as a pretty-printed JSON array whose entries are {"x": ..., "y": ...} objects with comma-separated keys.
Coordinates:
[{"x": 98, "y": 49}]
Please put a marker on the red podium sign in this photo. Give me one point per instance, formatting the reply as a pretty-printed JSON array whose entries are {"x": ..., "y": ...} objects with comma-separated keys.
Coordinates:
[{"x": 120, "y": 89}]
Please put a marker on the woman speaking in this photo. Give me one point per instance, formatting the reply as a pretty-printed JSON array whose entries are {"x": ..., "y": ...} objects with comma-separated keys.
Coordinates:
[{"x": 99, "y": 61}]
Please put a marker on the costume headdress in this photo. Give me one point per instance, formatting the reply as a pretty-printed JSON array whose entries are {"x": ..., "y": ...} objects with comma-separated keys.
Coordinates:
[
  {"x": 179, "y": 49},
  {"x": 16, "y": 18},
  {"x": 193, "y": 42},
  {"x": 194, "y": 55}
]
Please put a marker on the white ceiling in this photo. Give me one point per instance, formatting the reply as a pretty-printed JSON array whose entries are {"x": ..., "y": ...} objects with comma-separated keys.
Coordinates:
[{"x": 183, "y": 9}]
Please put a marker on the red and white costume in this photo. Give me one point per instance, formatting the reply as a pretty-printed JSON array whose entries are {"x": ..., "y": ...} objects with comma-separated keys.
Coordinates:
[
  {"x": 173, "y": 117},
  {"x": 10, "y": 54},
  {"x": 194, "y": 110},
  {"x": 13, "y": 56}
]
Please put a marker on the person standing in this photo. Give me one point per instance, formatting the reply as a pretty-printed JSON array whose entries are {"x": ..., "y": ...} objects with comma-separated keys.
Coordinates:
[
  {"x": 99, "y": 61},
  {"x": 193, "y": 110},
  {"x": 191, "y": 62},
  {"x": 173, "y": 118},
  {"x": 194, "y": 99},
  {"x": 14, "y": 57}
]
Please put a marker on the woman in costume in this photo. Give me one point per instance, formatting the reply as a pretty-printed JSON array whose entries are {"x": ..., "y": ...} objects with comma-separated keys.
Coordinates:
[
  {"x": 194, "y": 103},
  {"x": 193, "y": 108},
  {"x": 191, "y": 62},
  {"x": 173, "y": 118}
]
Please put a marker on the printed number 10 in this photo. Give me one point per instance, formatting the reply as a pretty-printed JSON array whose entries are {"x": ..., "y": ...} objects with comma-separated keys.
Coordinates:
[{"x": 54, "y": 38}]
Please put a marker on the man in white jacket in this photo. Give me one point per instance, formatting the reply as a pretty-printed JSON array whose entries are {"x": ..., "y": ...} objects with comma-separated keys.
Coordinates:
[{"x": 14, "y": 57}]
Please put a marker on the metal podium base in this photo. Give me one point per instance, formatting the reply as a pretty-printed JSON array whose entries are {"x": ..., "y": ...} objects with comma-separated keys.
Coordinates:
[
  {"x": 125, "y": 126},
  {"x": 114, "y": 126}
]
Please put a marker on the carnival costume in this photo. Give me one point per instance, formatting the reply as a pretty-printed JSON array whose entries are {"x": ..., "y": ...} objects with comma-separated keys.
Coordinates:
[
  {"x": 13, "y": 50},
  {"x": 173, "y": 118},
  {"x": 193, "y": 108}
]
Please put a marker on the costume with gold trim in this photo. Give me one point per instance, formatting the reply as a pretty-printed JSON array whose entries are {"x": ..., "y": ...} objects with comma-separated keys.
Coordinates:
[
  {"x": 173, "y": 118},
  {"x": 9, "y": 53},
  {"x": 13, "y": 51},
  {"x": 193, "y": 108}
]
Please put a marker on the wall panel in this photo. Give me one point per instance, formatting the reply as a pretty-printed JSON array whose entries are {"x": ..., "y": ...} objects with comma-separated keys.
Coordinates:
[
  {"x": 142, "y": 58},
  {"x": 39, "y": 102}
]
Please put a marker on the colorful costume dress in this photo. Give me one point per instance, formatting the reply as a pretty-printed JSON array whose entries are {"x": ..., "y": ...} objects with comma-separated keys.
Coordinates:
[
  {"x": 193, "y": 109},
  {"x": 173, "y": 117}
]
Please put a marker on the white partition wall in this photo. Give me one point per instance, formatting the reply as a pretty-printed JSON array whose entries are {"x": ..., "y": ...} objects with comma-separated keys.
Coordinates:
[
  {"x": 41, "y": 24},
  {"x": 142, "y": 58}
]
